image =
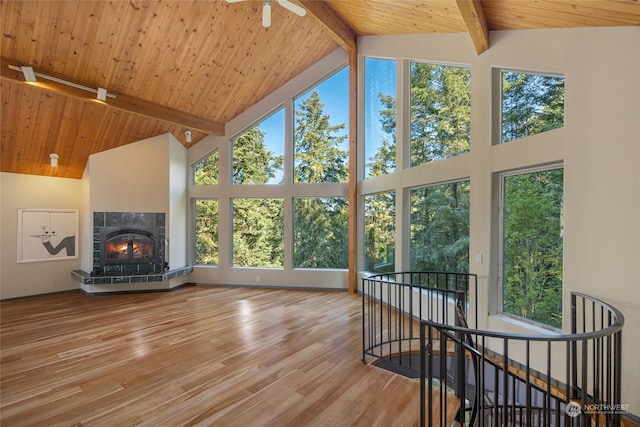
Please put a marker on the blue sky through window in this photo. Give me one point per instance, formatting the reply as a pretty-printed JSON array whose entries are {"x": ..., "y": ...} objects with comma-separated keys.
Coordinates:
[
  {"x": 334, "y": 94},
  {"x": 380, "y": 78},
  {"x": 273, "y": 128}
]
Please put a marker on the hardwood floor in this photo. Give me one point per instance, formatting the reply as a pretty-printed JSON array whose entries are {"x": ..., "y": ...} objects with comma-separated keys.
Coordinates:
[{"x": 194, "y": 356}]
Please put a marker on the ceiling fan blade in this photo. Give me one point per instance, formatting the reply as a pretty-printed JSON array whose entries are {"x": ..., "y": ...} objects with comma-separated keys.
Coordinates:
[
  {"x": 234, "y": 1},
  {"x": 266, "y": 14},
  {"x": 300, "y": 11}
]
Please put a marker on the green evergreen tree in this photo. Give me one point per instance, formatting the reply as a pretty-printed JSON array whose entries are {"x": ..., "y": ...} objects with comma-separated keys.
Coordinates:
[
  {"x": 531, "y": 104},
  {"x": 206, "y": 171},
  {"x": 440, "y": 128},
  {"x": 440, "y": 112},
  {"x": 207, "y": 232},
  {"x": 379, "y": 230},
  {"x": 440, "y": 227},
  {"x": 320, "y": 224},
  {"x": 258, "y": 232},
  {"x": 252, "y": 162},
  {"x": 320, "y": 233},
  {"x": 317, "y": 154},
  {"x": 533, "y": 246}
]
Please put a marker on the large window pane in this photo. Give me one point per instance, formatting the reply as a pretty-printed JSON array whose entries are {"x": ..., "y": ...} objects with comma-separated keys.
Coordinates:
[
  {"x": 258, "y": 152},
  {"x": 532, "y": 246},
  {"x": 379, "y": 116},
  {"x": 379, "y": 232},
  {"x": 258, "y": 232},
  {"x": 531, "y": 104},
  {"x": 205, "y": 172},
  {"x": 321, "y": 237},
  {"x": 206, "y": 232},
  {"x": 440, "y": 107},
  {"x": 440, "y": 227},
  {"x": 321, "y": 147}
]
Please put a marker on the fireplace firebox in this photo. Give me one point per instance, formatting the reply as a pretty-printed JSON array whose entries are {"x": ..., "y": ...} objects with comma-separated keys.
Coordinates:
[{"x": 128, "y": 246}]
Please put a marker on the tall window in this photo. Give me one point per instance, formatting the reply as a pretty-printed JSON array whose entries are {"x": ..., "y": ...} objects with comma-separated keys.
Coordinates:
[
  {"x": 258, "y": 237},
  {"x": 531, "y": 104},
  {"x": 258, "y": 153},
  {"x": 321, "y": 238},
  {"x": 206, "y": 231},
  {"x": 440, "y": 227},
  {"x": 532, "y": 245},
  {"x": 318, "y": 154},
  {"x": 320, "y": 136},
  {"x": 379, "y": 116},
  {"x": 205, "y": 172},
  {"x": 440, "y": 105},
  {"x": 379, "y": 232}
]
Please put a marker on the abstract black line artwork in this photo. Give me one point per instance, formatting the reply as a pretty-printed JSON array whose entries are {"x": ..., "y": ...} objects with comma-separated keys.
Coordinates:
[{"x": 47, "y": 234}]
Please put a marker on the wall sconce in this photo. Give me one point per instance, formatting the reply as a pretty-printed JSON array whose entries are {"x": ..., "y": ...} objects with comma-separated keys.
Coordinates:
[
  {"x": 54, "y": 160},
  {"x": 187, "y": 135}
]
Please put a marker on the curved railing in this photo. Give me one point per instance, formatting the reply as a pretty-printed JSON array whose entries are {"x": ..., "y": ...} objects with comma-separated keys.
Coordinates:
[
  {"x": 420, "y": 328},
  {"x": 390, "y": 300}
]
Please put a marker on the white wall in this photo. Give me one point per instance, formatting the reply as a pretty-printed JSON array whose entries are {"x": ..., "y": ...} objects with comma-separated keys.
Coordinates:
[
  {"x": 599, "y": 145},
  {"x": 146, "y": 176},
  {"x": 131, "y": 178},
  {"x": 30, "y": 191},
  {"x": 177, "y": 230}
]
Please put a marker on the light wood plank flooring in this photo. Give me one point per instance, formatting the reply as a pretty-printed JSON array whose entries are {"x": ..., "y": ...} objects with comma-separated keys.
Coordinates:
[{"x": 194, "y": 356}]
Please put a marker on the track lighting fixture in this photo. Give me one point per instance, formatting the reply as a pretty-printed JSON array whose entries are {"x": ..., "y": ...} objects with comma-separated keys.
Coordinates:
[{"x": 31, "y": 76}]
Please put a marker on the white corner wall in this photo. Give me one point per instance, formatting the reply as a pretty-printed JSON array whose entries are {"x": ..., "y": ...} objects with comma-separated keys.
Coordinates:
[
  {"x": 30, "y": 191},
  {"x": 146, "y": 176}
]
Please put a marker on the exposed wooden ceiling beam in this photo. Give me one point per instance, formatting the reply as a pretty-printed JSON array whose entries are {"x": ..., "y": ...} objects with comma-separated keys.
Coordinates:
[
  {"x": 121, "y": 101},
  {"x": 476, "y": 23},
  {"x": 336, "y": 27}
]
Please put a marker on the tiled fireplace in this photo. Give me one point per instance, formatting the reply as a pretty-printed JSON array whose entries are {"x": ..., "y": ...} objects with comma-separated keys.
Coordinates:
[
  {"x": 128, "y": 254},
  {"x": 128, "y": 243}
]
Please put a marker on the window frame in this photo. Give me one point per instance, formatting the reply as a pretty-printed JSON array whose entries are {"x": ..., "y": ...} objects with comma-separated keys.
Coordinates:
[
  {"x": 231, "y": 140},
  {"x": 292, "y": 149},
  {"x": 501, "y": 243},
  {"x": 408, "y": 212},
  {"x": 407, "y": 159},
  {"x": 366, "y": 173},
  {"x": 497, "y": 99}
]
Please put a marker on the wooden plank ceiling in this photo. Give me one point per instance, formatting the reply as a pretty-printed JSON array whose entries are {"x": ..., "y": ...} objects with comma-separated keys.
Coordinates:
[{"x": 194, "y": 65}]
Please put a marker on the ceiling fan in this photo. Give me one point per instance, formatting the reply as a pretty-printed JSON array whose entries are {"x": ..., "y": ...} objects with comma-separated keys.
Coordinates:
[{"x": 266, "y": 9}]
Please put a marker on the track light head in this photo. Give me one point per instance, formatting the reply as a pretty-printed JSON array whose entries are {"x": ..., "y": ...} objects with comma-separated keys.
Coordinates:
[{"x": 29, "y": 75}]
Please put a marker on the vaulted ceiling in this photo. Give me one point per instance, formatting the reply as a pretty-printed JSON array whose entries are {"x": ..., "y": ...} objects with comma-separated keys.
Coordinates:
[{"x": 194, "y": 65}]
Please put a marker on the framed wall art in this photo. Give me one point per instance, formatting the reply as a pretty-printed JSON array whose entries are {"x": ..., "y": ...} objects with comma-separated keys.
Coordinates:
[{"x": 47, "y": 234}]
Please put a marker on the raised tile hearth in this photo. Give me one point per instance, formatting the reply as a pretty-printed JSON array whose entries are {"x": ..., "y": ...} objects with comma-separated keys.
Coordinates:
[{"x": 139, "y": 282}]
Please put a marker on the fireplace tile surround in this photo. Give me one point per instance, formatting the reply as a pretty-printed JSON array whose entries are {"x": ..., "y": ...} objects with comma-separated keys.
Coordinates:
[{"x": 132, "y": 220}]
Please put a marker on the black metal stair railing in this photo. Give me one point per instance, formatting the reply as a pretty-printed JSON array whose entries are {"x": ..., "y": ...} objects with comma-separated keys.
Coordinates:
[
  {"x": 417, "y": 324},
  {"x": 393, "y": 304}
]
